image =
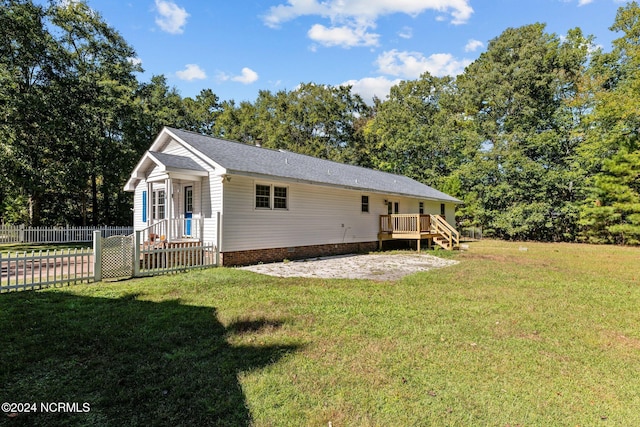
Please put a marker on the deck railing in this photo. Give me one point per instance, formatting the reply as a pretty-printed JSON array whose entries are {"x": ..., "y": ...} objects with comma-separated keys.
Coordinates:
[
  {"x": 405, "y": 223},
  {"x": 415, "y": 226}
]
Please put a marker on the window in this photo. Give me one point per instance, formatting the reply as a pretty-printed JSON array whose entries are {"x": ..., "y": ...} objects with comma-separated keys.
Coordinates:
[
  {"x": 280, "y": 197},
  {"x": 421, "y": 208},
  {"x": 158, "y": 203},
  {"x": 396, "y": 208},
  {"x": 442, "y": 212},
  {"x": 188, "y": 199},
  {"x": 271, "y": 195},
  {"x": 365, "y": 204},
  {"x": 263, "y": 196}
]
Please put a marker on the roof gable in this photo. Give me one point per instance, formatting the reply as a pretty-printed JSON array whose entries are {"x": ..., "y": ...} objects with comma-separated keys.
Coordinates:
[{"x": 166, "y": 163}]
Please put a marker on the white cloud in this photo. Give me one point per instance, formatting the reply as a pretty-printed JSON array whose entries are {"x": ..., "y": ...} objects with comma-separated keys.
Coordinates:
[
  {"x": 191, "y": 72},
  {"x": 412, "y": 64},
  {"x": 351, "y": 19},
  {"x": 246, "y": 77},
  {"x": 339, "y": 10},
  {"x": 369, "y": 87},
  {"x": 342, "y": 36},
  {"x": 473, "y": 45},
  {"x": 172, "y": 18},
  {"x": 406, "y": 33},
  {"x": 584, "y": 2}
]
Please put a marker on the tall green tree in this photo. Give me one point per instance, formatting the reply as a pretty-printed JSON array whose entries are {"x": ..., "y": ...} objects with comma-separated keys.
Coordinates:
[
  {"x": 523, "y": 182},
  {"x": 31, "y": 66},
  {"x": 422, "y": 132},
  {"x": 67, "y": 79},
  {"x": 100, "y": 83},
  {"x": 318, "y": 120},
  {"x": 611, "y": 150}
]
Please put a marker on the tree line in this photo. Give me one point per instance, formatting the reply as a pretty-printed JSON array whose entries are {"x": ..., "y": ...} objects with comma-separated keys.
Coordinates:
[{"x": 538, "y": 136}]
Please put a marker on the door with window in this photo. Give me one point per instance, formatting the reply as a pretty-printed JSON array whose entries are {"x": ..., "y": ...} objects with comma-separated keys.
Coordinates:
[{"x": 188, "y": 209}]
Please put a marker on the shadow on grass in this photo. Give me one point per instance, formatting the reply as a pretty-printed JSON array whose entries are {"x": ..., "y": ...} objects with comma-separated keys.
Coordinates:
[{"x": 134, "y": 362}]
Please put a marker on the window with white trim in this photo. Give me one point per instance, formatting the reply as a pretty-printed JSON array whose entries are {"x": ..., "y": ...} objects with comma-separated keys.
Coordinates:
[
  {"x": 158, "y": 201},
  {"x": 271, "y": 197},
  {"x": 263, "y": 196},
  {"x": 364, "y": 203},
  {"x": 280, "y": 197}
]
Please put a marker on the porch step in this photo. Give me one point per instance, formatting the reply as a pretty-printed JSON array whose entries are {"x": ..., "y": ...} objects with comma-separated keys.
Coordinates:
[{"x": 445, "y": 243}]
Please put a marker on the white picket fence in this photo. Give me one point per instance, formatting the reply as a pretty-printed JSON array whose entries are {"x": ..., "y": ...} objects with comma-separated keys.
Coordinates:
[
  {"x": 41, "y": 269},
  {"x": 22, "y": 234},
  {"x": 163, "y": 260}
]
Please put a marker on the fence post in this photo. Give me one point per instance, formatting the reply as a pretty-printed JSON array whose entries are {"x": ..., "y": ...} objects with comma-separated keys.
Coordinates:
[
  {"x": 136, "y": 254},
  {"x": 97, "y": 256}
]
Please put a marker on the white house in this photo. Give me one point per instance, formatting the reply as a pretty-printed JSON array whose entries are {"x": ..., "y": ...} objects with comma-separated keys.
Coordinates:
[{"x": 262, "y": 205}]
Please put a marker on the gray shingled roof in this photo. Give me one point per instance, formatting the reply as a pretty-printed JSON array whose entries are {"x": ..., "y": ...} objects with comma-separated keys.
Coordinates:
[
  {"x": 173, "y": 161},
  {"x": 246, "y": 159}
]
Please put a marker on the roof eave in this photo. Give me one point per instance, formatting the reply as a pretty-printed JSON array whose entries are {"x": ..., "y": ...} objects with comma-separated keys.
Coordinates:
[{"x": 346, "y": 187}]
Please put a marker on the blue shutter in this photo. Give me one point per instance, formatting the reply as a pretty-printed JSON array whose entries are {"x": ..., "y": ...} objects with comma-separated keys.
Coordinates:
[{"x": 144, "y": 206}]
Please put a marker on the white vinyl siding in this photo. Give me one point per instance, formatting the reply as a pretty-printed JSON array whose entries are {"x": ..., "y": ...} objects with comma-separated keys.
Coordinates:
[
  {"x": 141, "y": 188},
  {"x": 316, "y": 215}
]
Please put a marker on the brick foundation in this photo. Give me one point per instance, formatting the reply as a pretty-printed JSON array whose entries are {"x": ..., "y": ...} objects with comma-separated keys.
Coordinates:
[{"x": 229, "y": 259}]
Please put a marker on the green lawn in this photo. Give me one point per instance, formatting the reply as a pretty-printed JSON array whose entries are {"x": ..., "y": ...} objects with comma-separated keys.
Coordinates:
[{"x": 547, "y": 336}]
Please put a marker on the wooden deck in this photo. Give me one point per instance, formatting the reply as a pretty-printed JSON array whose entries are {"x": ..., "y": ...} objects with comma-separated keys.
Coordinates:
[{"x": 433, "y": 228}]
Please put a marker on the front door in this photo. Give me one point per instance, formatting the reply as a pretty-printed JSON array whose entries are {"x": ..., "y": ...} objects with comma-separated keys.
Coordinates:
[{"x": 188, "y": 209}]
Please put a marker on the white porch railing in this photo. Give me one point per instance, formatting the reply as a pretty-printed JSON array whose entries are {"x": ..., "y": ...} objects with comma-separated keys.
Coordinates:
[{"x": 170, "y": 230}]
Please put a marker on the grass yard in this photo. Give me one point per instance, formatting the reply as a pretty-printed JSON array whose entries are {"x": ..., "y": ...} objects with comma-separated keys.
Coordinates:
[{"x": 547, "y": 336}]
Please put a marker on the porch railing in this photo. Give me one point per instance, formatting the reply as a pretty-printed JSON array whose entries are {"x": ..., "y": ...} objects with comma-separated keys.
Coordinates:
[{"x": 167, "y": 230}]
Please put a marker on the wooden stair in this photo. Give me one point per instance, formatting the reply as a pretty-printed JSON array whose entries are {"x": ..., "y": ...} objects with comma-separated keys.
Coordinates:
[{"x": 447, "y": 237}]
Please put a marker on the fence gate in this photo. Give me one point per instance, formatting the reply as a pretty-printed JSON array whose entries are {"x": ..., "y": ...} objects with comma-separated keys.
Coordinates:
[{"x": 117, "y": 256}]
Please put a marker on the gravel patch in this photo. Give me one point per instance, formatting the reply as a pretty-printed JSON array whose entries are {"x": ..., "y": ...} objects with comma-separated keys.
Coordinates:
[{"x": 371, "y": 266}]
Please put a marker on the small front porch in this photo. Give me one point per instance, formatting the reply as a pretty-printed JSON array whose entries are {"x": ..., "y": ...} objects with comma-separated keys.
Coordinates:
[
  {"x": 172, "y": 232},
  {"x": 433, "y": 228}
]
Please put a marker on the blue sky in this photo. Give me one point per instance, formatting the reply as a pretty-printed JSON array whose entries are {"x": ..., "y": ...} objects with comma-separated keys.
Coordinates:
[{"x": 237, "y": 48}]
